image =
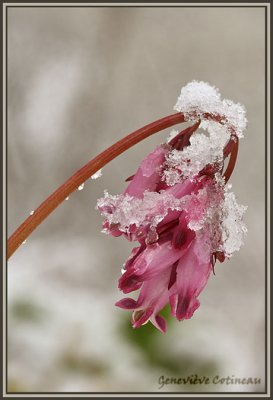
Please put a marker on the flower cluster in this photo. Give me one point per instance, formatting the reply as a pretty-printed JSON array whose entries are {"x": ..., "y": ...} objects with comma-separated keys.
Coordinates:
[{"x": 180, "y": 210}]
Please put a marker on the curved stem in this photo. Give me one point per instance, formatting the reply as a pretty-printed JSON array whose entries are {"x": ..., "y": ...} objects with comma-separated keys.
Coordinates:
[
  {"x": 232, "y": 159},
  {"x": 57, "y": 197}
]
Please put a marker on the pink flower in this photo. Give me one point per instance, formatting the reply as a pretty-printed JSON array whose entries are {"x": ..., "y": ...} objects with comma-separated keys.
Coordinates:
[{"x": 179, "y": 210}]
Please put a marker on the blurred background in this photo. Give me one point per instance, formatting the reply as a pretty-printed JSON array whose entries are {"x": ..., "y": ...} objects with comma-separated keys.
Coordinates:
[{"x": 79, "y": 79}]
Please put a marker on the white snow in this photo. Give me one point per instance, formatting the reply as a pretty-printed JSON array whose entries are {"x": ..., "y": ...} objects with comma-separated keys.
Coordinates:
[
  {"x": 199, "y": 98},
  {"x": 97, "y": 174},
  {"x": 203, "y": 150},
  {"x": 126, "y": 210}
]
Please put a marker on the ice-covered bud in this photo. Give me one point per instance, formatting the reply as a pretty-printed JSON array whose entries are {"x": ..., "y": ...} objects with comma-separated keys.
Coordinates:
[{"x": 180, "y": 210}]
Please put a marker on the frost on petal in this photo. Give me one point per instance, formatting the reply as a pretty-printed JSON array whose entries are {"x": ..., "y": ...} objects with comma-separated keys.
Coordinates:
[
  {"x": 214, "y": 211},
  {"x": 204, "y": 213},
  {"x": 172, "y": 176},
  {"x": 202, "y": 151},
  {"x": 126, "y": 211}
]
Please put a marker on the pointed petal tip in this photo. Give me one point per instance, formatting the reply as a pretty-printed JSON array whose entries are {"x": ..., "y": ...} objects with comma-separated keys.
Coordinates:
[
  {"x": 141, "y": 317},
  {"x": 185, "y": 309},
  {"x": 129, "y": 282},
  {"x": 160, "y": 323},
  {"x": 126, "y": 304}
]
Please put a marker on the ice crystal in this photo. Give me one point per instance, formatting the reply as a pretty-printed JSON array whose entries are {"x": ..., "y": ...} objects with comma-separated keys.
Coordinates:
[
  {"x": 97, "y": 174},
  {"x": 126, "y": 210},
  {"x": 171, "y": 175},
  {"x": 203, "y": 150},
  {"x": 221, "y": 217},
  {"x": 197, "y": 99}
]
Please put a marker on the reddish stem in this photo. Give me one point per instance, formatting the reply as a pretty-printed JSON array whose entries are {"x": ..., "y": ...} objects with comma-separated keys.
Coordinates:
[
  {"x": 232, "y": 159},
  {"x": 182, "y": 139},
  {"x": 57, "y": 197}
]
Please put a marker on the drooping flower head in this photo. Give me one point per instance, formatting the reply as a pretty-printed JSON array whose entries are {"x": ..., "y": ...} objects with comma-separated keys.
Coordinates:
[{"x": 179, "y": 209}]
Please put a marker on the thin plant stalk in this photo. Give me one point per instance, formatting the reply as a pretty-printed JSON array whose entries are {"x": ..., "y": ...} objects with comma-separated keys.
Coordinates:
[{"x": 77, "y": 179}]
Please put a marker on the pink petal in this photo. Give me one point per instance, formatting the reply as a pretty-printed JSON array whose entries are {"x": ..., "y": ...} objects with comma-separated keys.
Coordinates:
[
  {"x": 173, "y": 299},
  {"x": 173, "y": 275},
  {"x": 171, "y": 216},
  {"x": 148, "y": 174},
  {"x": 141, "y": 317},
  {"x": 112, "y": 229},
  {"x": 181, "y": 189},
  {"x": 160, "y": 323},
  {"x": 129, "y": 282},
  {"x": 182, "y": 236},
  {"x": 126, "y": 304},
  {"x": 193, "y": 271},
  {"x": 152, "y": 298},
  {"x": 134, "y": 254},
  {"x": 186, "y": 307},
  {"x": 155, "y": 291},
  {"x": 151, "y": 262}
]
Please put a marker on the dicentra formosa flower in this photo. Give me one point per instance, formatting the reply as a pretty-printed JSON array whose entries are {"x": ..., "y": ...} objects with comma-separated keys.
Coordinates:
[{"x": 180, "y": 210}]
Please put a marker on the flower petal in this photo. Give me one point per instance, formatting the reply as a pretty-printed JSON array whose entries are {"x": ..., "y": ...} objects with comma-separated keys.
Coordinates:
[
  {"x": 126, "y": 304},
  {"x": 152, "y": 261},
  {"x": 148, "y": 174},
  {"x": 134, "y": 254},
  {"x": 160, "y": 323},
  {"x": 181, "y": 189},
  {"x": 182, "y": 236},
  {"x": 193, "y": 271},
  {"x": 141, "y": 317},
  {"x": 152, "y": 298}
]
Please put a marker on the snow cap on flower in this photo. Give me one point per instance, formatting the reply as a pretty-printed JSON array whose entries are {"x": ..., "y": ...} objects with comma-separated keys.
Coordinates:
[
  {"x": 198, "y": 99},
  {"x": 180, "y": 210}
]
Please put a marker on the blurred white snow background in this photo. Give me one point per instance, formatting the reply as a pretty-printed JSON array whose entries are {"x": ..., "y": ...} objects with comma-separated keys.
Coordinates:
[{"x": 79, "y": 79}]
